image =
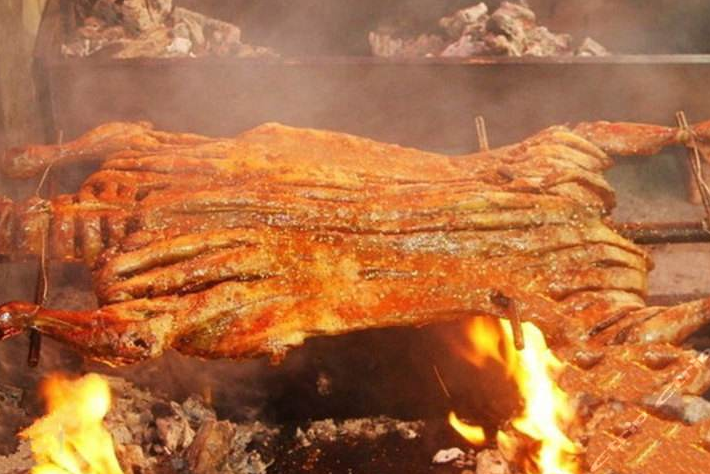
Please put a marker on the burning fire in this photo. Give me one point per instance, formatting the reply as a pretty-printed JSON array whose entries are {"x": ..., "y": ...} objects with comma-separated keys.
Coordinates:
[
  {"x": 71, "y": 438},
  {"x": 546, "y": 408}
]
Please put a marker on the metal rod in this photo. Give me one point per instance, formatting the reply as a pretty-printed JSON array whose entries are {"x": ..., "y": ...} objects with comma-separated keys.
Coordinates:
[
  {"x": 482, "y": 133},
  {"x": 442, "y": 384},
  {"x": 664, "y": 233},
  {"x": 517, "y": 325},
  {"x": 35, "y": 348},
  {"x": 42, "y": 285},
  {"x": 508, "y": 305},
  {"x": 40, "y": 299}
]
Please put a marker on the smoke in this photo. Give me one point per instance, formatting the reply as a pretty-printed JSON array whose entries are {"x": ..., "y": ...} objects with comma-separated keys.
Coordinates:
[{"x": 632, "y": 26}]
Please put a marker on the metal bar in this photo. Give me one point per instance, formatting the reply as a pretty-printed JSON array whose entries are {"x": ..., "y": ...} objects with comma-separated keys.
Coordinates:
[
  {"x": 319, "y": 61},
  {"x": 35, "y": 348},
  {"x": 664, "y": 233},
  {"x": 674, "y": 299},
  {"x": 517, "y": 325},
  {"x": 42, "y": 285},
  {"x": 482, "y": 133},
  {"x": 510, "y": 309}
]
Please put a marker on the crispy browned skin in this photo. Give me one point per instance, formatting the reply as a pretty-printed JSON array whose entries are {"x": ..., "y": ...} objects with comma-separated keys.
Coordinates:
[
  {"x": 93, "y": 145},
  {"x": 246, "y": 246},
  {"x": 285, "y": 172},
  {"x": 655, "y": 446},
  {"x": 629, "y": 139},
  {"x": 629, "y": 372}
]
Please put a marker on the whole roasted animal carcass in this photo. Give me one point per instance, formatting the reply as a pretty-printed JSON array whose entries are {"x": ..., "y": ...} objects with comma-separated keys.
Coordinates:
[{"x": 246, "y": 246}]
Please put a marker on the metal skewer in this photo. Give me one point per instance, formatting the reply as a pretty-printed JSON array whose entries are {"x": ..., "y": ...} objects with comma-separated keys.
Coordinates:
[
  {"x": 499, "y": 299},
  {"x": 664, "y": 232},
  {"x": 482, "y": 133},
  {"x": 509, "y": 307},
  {"x": 42, "y": 285}
]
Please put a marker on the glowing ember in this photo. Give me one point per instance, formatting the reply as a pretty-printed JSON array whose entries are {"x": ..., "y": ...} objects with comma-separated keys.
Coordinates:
[
  {"x": 71, "y": 438},
  {"x": 546, "y": 407}
]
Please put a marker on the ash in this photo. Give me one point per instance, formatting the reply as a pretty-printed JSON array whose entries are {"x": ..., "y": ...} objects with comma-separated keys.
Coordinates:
[
  {"x": 154, "y": 29},
  {"x": 511, "y": 30},
  {"x": 369, "y": 429},
  {"x": 155, "y": 435}
]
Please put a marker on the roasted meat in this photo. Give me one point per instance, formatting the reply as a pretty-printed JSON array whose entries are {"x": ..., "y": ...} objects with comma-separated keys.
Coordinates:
[
  {"x": 628, "y": 439},
  {"x": 246, "y": 246}
]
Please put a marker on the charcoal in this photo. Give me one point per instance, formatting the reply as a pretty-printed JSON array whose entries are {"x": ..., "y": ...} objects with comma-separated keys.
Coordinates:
[
  {"x": 359, "y": 428},
  {"x": 467, "y": 460},
  {"x": 10, "y": 395},
  {"x": 385, "y": 45},
  {"x": 445, "y": 456},
  {"x": 20, "y": 462},
  {"x": 243, "y": 460},
  {"x": 589, "y": 47},
  {"x": 133, "y": 460},
  {"x": 215, "y": 36},
  {"x": 512, "y": 20},
  {"x": 541, "y": 42},
  {"x": 179, "y": 47},
  {"x": 82, "y": 9},
  {"x": 511, "y": 30},
  {"x": 466, "y": 21},
  {"x": 197, "y": 412},
  {"x": 12, "y": 420},
  {"x": 206, "y": 24},
  {"x": 464, "y": 47},
  {"x": 140, "y": 16},
  {"x": 491, "y": 462},
  {"x": 502, "y": 45},
  {"x": 174, "y": 433},
  {"x": 156, "y": 436},
  {"x": 153, "y": 43},
  {"x": 126, "y": 29},
  {"x": 208, "y": 453},
  {"x": 107, "y": 10}
]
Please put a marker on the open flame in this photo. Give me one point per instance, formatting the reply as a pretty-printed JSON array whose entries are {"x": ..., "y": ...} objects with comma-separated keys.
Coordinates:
[
  {"x": 546, "y": 410},
  {"x": 71, "y": 437}
]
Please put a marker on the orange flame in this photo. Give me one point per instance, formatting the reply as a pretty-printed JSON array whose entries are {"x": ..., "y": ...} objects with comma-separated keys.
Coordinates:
[
  {"x": 71, "y": 438},
  {"x": 546, "y": 407}
]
